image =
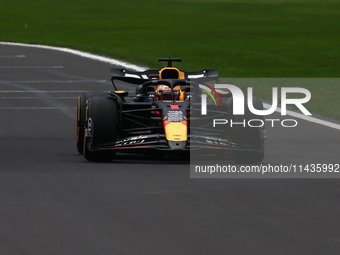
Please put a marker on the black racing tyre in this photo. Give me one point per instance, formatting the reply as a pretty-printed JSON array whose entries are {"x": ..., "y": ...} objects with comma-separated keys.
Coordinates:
[
  {"x": 249, "y": 135},
  {"x": 82, "y": 98},
  {"x": 101, "y": 124}
]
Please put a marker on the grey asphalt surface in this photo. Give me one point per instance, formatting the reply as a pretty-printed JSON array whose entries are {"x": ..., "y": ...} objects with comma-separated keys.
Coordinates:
[{"x": 52, "y": 201}]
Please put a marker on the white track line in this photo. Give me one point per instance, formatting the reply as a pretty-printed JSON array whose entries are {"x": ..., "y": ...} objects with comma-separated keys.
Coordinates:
[
  {"x": 12, "y": 56},
  {"x": 56, "y": 81},
  {"x": 36, "y": 97},
  {"x": 307, "y": 118},
  {"x": 112, "y": 61},
  {"x": 36, "y": 108},
  {"x": 44, "y": 91},
  {"x": 141, "y": 68},
  {"x": 29, "y": 67}
]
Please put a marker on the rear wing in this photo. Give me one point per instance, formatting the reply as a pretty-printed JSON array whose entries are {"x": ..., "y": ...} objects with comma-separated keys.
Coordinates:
[{"x": 141, "y": 77}]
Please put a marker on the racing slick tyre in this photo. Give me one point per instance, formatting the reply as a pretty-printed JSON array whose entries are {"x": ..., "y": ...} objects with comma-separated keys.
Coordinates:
[
  {"x": 100, "y": 127},
  {"x": 82, "y": 98},
  {"x": 247, "y": 135}
]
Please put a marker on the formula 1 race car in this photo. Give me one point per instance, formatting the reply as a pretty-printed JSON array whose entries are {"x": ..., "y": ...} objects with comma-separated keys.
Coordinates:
[{"x": 165, "y": 115}]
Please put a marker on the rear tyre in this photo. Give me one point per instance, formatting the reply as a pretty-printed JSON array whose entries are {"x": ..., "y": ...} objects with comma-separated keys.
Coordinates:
[
  {"x": 101, "y": 126},
  {"x": 249, "y": 135},
  {"x": 81, "y": 106}
]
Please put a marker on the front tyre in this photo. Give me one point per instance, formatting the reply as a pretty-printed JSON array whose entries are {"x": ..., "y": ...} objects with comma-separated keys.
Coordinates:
[
  {"x": 101, "y": 127},
  {"x": 81, "y": 106}
]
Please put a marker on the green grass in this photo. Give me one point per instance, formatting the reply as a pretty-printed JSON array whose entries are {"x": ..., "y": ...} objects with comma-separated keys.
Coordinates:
[{"x": 246, "y": 38}]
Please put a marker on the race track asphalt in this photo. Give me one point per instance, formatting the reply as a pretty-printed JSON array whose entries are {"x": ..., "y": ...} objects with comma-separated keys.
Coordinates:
[{"x": 53, "y": 201}]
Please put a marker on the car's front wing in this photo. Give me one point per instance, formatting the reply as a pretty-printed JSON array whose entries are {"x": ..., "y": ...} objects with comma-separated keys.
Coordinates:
[{"x": 159, "y": 142}]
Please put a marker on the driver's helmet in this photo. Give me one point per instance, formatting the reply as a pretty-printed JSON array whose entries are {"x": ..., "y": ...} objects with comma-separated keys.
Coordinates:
[{"x": 164, "y": 92}]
